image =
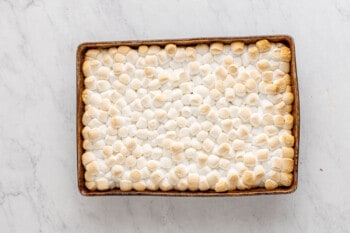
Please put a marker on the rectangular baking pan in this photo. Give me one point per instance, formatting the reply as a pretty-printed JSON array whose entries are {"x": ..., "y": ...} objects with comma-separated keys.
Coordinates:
[{"x": 81, "y": 50}]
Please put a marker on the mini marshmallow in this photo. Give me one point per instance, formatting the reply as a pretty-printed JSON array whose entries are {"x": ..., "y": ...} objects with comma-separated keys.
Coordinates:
[
  {"x": 288, "y": 97},
  {"x": 274, "y": 143},
  {"x": 125, "y": 185},
  {"x": 165, "y": 185},
  {"x": 224, "y": 149},
  {"x": 135, "y": 175},
  {"x": 165, "y": 163},
  {"x": 213, "y": 177},
  {"x": 252, "y": 99},
  {"x": 228, "y": 60},
  {"x": 226, "y": 125},
  {"x": 243, "y": 132},
  {"x": 130, "y": 161},
  {"x": 255, "y": 119},
  {"x": 203, "y": 184},
  {"x": 271, "y": 130},
  {"x": 90, "y": 83},
  {"x": 191, "y": 53},
  {"x": 275, "y": 176},
  {"x": 124, "y": 79},
  {"x": 253, "y": 52},
  {"x": 152, "y": 165},
  {"x": 243, "y": 76},
  {"x": 193, "y": 181},
  {"x": 221, "y": 185},
  {"x": 119, "y": 58},
  {"x": 143, "y": 49},
  {"x": 213, "y": 161},
  {"x": 139, "y": 186},
  {"x": 107, "y": 151},
  {"x": 103, "y": 85},
  {"x": 186, "y": 87},
  {"x": 285, "y": 67},
  {"x": 229, "y": 94},
  {"x": 237, "y": 48},
  {"x": 216, "y": 48},
  {"x": 123, "y": 49},
  {"x": 202, "y": 48},
  {"x": 149, "y": 72},
  {"x": 193, "y": 67},
  {"x": 238, "y": 144},
  {"x": 215, "y": 94},
  {"x": 232, "y": 69},
  {"x": 260, "y": 139},
  {"x": 248, "y": 178},
  {"x": 87, "y": 158},
  {"x": 177, "y": 147},
  {"x": 153, "y": 49},
  {"x": 249, "y": 160},
  {"x": 204, "y": 109},
  {"x": 224, "y": 164},
  {"x": 267, "y": 119},
  {"x": 202, "y": 135},
  {"x": 180, "y": 171},
  {"x": 263, "y": 46},
  {"x": 288, "y": 121},
  {"x": 287, "y": 140},
  {"x": 170, "y": 49},
  {"x": 91, "y": 185},
  {"x": 92, "y": 53},
  {"x": 219, "y": 85},
  {"x": 195, "y": 129},
  {"x": 157, "y": 176},
  {"x": 240, "y": 89},
  {"x": 250, "y": 85},
  {"x": 221, "y": 72},
  {"x": 270, "y": 184},
  {"x": 102, "y": 184},
  {"x": 229, "y": 82},
  {"x": 286, "y": 179},
  {"x": 245, "y": 114},
  {"x": 118, "y": 68},
  {"x": 212, "y": 116},
  {"x": 182, "y": 185},
  {"x": 158, "y": 101},
  {"x": 90, "y": 67},
  {"x": 224, "y": 113},
  {"x": 287, "y": 165},
  {"x": 287, "y": 152},
  {"x": 180, "y": 55},
  {"x": 263, "y": 65},
  {"x": 117, "y": 171},
  {"x": 222, "y": 138},
  {"x": 151, "y": 60},
  {"x": 259, "y": 172},
  {"x": 103, "y": 73},
  {"x": 280, "y": 85}
]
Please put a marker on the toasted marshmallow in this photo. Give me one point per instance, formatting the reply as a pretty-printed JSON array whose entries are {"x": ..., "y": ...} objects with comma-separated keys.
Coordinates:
[
  {"x": 216, "y": 48},
  {"x": 263, "y": 46},
  {"x": 286, "y": 179},
  {"x": 237, "y": 48},
  {"x": 270, "y": 184},
  {"x": 287, "y": 140}
]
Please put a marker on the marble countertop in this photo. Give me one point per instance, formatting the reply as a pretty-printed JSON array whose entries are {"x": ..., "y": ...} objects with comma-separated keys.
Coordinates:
[{"x": 38, "y": 185}]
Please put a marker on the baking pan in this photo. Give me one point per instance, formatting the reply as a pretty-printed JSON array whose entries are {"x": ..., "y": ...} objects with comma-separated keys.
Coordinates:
[{"x": 82, "y": 48}]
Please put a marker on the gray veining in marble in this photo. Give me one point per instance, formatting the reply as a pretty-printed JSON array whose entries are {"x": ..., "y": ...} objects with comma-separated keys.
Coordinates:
[{"x": 38, "y": 186}]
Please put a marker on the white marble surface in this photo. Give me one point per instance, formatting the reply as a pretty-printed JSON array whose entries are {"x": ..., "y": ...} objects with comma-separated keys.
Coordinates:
[{"x": 38, "y": 186}]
